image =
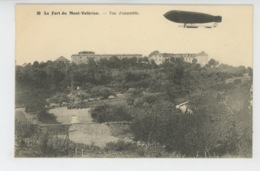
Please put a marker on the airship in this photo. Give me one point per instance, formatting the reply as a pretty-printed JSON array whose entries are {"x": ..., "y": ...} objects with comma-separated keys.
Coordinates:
[{"x": 193, "y": 19}]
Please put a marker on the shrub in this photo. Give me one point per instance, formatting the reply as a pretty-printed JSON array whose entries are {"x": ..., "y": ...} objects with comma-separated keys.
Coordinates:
[
  {"x": 46, "y": 117},
  {"x": 58, "y": 98},
  {"x": 237, "y": 81},
  {"x": 102, "y": 92},
  {"x": 210, "y": 131},
  {"x": 132, "y": 94},
  {"x": 38, "y": 108},
  {"x": 120, "y": 145},
  {"x": 25, "y": 129},
  {"x": 166, "y": 127},
  {"x": 107, "y": 113}
]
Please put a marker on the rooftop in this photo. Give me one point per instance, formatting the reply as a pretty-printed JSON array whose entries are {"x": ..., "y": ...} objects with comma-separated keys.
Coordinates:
[{"x": 62, "y": 59}]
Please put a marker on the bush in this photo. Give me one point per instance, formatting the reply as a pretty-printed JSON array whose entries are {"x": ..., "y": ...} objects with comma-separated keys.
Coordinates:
[
  {"x": 58, "y": 98},
  {"x": 210, "y": 131},
  {"x": 46, "y": 117},
  {"x": 38, "y": 108},
  {"x": 166, "y": 127},
  {"x": 108, "y": 113},
  {"x": 237, "y": 81},
  {"x": 133, "y": 94},
  {"x": 36, "y": 141},
  {"x": 102, "y": 92},
  {"x": 120, "y": 145},
  {"x": 151, "y": 150},
  {"x": 35, "y": 106},
  {"x": 25, "y": 129},
  {"x": 149, "y": 122}
]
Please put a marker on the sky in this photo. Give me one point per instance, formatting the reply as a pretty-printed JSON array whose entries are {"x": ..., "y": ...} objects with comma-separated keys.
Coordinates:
[{"x": 47, "y": 37}]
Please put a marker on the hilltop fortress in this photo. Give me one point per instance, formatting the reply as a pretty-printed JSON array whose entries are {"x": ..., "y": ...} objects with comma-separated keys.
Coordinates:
[
  {"x": 159, "y": 58},
  {"x": 156, "y": 57},
  {"x": 84, "y": 56}
]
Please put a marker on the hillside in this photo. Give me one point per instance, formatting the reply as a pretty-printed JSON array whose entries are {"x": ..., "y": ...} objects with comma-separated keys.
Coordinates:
[{"x": 215, "y": 121}]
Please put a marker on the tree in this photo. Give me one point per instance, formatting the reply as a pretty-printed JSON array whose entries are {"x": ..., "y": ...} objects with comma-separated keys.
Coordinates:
[
  {"x": 213, "y": 63},
  {"x": 250, "y": 71},
  {"x": 214, "y": 132},
  {"x": 114, "y": 62},
  {"x": 36, "y": 64},
  {"x": 194, "y": 61},
  {"x": 36, "y": 105},
  {"x": 178, "y": 74},
  {"x": 132, "y": 94}
]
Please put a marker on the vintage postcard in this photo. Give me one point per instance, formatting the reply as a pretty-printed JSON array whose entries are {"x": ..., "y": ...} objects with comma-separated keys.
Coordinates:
[{"x": 134, "y": 81}]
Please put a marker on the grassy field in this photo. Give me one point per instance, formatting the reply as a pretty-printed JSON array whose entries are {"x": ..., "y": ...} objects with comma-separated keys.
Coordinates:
[
  {"x": 96, "y": 134},
  {"x": 85, "y": 131}
]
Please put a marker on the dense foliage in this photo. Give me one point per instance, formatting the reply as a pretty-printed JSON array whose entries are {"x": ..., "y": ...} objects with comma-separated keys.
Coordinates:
[
  {"x": 219, "y": 97},
  {"x": 108, "y": 113}
]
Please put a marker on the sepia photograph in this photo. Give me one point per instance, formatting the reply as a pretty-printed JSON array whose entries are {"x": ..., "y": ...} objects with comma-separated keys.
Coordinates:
[{"x": 133, "y": 81}]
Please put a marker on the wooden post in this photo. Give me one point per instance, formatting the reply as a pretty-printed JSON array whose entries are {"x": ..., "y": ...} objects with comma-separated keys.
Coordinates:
[
  {"x": 76, "y": 151},
  {"x": 82, "y": 152},
  {"x": 68, "y": 143}
]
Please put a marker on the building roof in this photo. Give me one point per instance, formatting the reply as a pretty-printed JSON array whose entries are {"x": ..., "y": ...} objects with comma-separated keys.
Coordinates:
[
  {"x": 62, "y": 59},
  {"x": 107, "y": 54},
  {"x": 178, "y": 55},
  {"x": 87, "y": 52},
  {"x": 202, "y": 54}
]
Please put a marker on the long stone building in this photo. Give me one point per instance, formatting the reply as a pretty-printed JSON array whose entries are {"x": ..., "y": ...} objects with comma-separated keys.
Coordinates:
[
  {"x": 159, "y": 58},
  {"x": 84, "y": 56}
]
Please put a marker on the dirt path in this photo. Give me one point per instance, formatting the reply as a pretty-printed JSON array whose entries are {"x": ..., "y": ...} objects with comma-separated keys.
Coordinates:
[{"x": 85, "y": 131}]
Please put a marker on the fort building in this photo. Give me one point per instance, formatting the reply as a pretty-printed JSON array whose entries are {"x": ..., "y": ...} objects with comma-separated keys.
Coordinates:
[
  {"x": 159, "y": 58},
  {"x": 84, "y": 56}
]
